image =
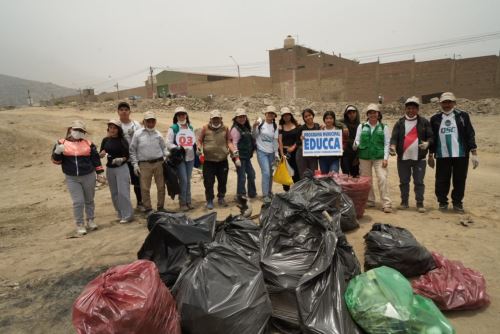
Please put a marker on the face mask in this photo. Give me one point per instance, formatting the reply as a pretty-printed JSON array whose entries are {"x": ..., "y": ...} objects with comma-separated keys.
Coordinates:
[
  {"x": 150, "y": 130},
  {"x": 216, "y": 126},
  {"x": 446, "y": 112},
  {"x": 182, "y": 122},
  {"x": 77, "y": 134}
]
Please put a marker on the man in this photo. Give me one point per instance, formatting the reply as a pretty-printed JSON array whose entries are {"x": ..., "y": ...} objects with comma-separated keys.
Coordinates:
[
  {"x": 411, "y": 138},
  {"x": 147, "y": 152},
  {"x": 129, "y": 127},
  {"x": 214, "y": 144},
  {"x": 454, "y": 139},
  {"x": 372, "y": 140},
  {"x": 350, "y": 161}
]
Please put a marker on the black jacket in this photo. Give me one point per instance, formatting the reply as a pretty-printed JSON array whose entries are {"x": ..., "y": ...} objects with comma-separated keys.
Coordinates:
[
  {"x": 79, "y": 158},
  {"x": 424, "y": 133},
  {"x": 352, "y": 127},
  {"x": 465, "y": 130}
]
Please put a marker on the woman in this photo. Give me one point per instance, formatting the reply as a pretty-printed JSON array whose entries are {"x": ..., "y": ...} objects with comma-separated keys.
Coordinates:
[
  {"x": 350, "y": 161},
  {"x": 266, "y": 139},
  {"x": 241, "y": 138},
  {"x": 80, "y": 162},
  {"x": 287, "y": 140},
  {"x": 305, "y": 163},
  {"x": 372, "y": 141},
  {"x": 181, "y": 133},
  {"x": 329, "y": 164},
  {"x": 116, "y": 149}
]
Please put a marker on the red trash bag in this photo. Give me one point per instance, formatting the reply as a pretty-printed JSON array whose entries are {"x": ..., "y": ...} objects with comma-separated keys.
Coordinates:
[
  {"x": 129, "y": 298},
  {"x": 452, "y": 286},
  {"x": 357, "y": 188}
]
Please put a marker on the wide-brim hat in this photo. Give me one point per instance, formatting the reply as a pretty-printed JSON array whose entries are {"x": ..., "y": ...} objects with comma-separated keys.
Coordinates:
[
  {"x": 79, "y": 125},
  {"x": 285, "y": 110},
  {"x": 240, "y": 112},
  {"x": 270, "y": 109}
]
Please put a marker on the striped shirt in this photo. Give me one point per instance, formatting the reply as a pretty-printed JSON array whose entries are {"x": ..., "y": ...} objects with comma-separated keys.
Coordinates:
[{"x": 449, "y": 144}]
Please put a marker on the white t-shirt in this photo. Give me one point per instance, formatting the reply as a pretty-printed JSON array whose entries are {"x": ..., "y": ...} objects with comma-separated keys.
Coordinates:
[
  {"x": 129, "y": 129},
  {"x": 410, "y": 143},
  {"x": 267, "y": 138}
]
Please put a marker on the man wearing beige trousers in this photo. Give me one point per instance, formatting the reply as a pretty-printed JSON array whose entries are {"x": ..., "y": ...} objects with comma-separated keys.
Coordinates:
[{"x": 372, "y": 141}]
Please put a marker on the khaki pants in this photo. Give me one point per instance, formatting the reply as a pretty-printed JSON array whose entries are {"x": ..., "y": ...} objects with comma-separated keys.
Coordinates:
[
  {"x": 148, "y": 171},
  {"x": 365, "y": 169}
]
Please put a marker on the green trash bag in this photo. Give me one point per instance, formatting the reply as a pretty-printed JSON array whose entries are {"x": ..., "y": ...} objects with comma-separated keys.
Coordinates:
[{"x": 381, "y": 301}]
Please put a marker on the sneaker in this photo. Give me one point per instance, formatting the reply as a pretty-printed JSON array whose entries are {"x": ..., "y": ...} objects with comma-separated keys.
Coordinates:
[
  {"x": 266, "y": 199},
  {"x": 443, "y": 206},
  {"x": 458, "y": 208},
  {"x": 126, "y": 220},
  {"x": 420, "y": 207},
  {"x": 387, "y": 210},
  {"x": 147, "y": 212},
  {"x": 81, "y": 230},
  {"x": 140, "y": 207},
  {"x": 404, "y": 205},
  {"x": 91, "y": 225},
  {"x": 184, "y": 207},
  {"x": 222, "y": 202},
  {"x": 210, "y": 205}
]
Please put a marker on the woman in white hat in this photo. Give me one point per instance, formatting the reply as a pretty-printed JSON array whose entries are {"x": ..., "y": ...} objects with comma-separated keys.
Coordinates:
[
  {"x": 80, "y": 163},
  {"x": 181, "y": 133},
  {"x": 287, "y": 140},
  {"x": 266, "y": 139},
  {"x": 372, "y": 141},
  {"x": 116, "y": 150}
]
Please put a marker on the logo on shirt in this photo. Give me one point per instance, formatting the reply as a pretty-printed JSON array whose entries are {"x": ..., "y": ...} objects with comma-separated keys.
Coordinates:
[{"x": 447, "y": 122}]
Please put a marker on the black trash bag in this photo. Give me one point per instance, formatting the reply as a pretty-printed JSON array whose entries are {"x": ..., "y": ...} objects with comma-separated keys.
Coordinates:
[
  {"x": 171, "y": 179},
  {"x": 222, "y": 291},
  {"x": 169, "y": 239},
  {"x": 242, "y": 234},
  {"x": 348, "y": 258},
  {"x": 348, "y": 220},
  {"x": 292, "y": 242},
  {"x": 396, "y": 247}
]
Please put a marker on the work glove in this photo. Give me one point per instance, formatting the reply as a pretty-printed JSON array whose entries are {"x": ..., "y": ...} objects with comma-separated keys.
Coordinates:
[
  {"x": 117, "y": 161},
  {"x": 475, "y": 161},
  {"x": 392, "y": 150},
  {"x": 101, "y": 178},
  {"x": 431, "y": 162},
  {"x": 424, "y": 145},
  {"x": 137, "y": 170},
  {"x": 59, "y": 149}
]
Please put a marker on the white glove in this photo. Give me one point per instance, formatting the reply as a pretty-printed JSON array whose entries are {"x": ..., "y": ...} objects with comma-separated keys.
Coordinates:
[
  {"x": 424, "y": 145},
  {"x": 117, "y": 161},
  {"x": 475, "y": 161},
  {"x": 101, "y": 178},
  {"x": 354, "y": 147},
  {"x": 431, "y": 162},
  {"x": 59, "y": 149},
  {"x": 137, "y": 170}
]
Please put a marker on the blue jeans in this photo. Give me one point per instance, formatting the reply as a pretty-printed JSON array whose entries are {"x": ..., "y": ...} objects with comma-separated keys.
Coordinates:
[
  {"x": 266, "y": 166},
  {"x": 329, "y": 164},
  {"x": 184, "y": 171},
  {"x": 246, "y": 173}
]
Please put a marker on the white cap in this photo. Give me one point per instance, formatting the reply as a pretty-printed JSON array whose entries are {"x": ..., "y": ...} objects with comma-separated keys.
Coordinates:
[
  {"x": 240, "y": 112},
  {"x": 285, "y": 110},
  {"x": 215, "y": 114},
  {"x": 115, "y": 122},
  {"x": 351, "y": 108},
  {"x": 180, "y": 110},
  {"x": 414, "y": 100},
  {"x": 271, "y": 109},
  {"x": 447, "y": 96},
  {"x": 79, "y": 125},
  {"x": 372, "y": 106},
  {"x": 149, "y": 115}
]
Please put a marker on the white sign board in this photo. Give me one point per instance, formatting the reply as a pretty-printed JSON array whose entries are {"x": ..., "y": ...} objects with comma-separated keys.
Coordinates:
[{"x": 322, "y": 143}]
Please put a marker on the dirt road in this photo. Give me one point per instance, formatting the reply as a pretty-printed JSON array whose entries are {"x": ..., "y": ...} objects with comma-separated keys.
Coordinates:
[{"x": 42, "y": 270}]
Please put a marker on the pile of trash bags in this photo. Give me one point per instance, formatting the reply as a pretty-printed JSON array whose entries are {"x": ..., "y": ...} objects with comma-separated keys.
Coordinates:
[
  {"x": 452, "y": 286},
  {"x": 357, "y": 188},
  {"x": 306, "y": 259},
  {"x": 128, "y": 298},
  {"x": 396, "y": 247},
  {"x": 381, "y": 301}
]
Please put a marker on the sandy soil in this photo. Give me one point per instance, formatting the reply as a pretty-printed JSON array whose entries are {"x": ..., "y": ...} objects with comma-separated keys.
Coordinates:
[{"x": 42, "y": 271}]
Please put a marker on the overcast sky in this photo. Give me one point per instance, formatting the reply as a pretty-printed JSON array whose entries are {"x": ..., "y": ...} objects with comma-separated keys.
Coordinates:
[{"x": 96, "y": 43}]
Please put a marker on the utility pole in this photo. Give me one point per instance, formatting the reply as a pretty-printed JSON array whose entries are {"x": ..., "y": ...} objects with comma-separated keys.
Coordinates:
[
  {"x": 152, "y": 83},
  {"x": 117, "y": 91},
  {"x": 30, "y": 102},
  {"x": 239, "y": 76}
]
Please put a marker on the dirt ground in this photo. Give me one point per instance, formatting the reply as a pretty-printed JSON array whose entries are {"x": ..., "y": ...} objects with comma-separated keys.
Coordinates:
[{"x": 42, "y": 271}]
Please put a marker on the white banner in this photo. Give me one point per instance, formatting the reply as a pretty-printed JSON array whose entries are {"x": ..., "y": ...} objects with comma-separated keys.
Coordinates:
[{"x": 322, "y": 143}]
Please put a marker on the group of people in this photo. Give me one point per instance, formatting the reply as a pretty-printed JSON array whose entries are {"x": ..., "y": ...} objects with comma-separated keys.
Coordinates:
[{"x": 135, "y": 153}]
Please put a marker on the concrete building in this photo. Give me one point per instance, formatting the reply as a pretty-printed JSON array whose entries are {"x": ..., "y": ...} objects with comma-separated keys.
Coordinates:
[{"x": 297, "y": 71}]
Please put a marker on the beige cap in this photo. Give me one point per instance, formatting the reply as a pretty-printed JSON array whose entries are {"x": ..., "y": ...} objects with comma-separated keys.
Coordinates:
[
  {"x": 270, "y": 109},
  {"x": 240, "y": 112},
  {"x": 447, "y": 96},
  {"x": 372, "y": 106},
  {"x": 413, "y": 99},
  {"x": 78, "y": 125},
  {"x": 215, "y": 114},
  {"x": 180, "y": 109},
  {"x": 115, "y": 122},
  {"x": 285, "y": 110},
  {"x": 149, "y": 115}
]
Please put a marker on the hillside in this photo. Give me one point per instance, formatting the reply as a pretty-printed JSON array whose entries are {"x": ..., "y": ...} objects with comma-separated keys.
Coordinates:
[{"x": 14, "y": 91}]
